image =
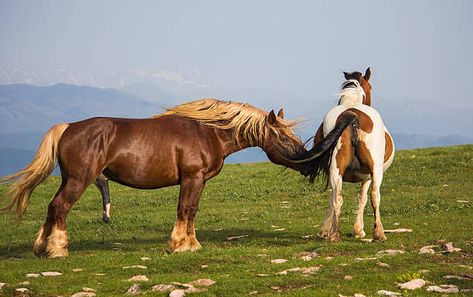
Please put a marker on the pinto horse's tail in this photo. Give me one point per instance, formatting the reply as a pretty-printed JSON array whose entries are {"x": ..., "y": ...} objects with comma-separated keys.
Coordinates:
[
  {"x": 316, "y": 161},
  {"x": 26, "y": 180}
]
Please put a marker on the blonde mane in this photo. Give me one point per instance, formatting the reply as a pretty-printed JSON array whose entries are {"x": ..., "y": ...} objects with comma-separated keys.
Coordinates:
[
  {"x": 352, "y": 93},
  {"x": 247, "y": 122}
]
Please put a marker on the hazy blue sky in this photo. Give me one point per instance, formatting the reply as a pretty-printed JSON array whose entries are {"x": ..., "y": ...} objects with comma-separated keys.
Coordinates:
[{"x": 418, "y": 50}]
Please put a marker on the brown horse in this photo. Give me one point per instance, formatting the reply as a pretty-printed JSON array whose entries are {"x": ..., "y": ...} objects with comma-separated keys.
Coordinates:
[
  {"x": 186, "y": 145},
  {"x": 362, "y": 154}
]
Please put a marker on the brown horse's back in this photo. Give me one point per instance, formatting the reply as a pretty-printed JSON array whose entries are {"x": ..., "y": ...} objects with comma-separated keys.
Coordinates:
[{"x": 141, "y": 153}]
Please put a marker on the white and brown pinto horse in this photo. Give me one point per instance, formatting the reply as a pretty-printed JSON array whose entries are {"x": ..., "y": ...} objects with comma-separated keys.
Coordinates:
[{"x": 362, "y": 153}]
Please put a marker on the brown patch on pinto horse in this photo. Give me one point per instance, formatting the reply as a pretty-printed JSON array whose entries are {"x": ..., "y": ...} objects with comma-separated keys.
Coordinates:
[
  {"x": 364, "y": 121},
  {"x": 389, "y": 147},
  {"x": 346, "y": 152}
]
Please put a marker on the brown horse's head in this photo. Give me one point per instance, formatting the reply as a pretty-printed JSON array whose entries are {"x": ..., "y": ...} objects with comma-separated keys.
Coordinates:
[
  {"x": 364, "y": 82},
  {"x": 280, "y": 142}
]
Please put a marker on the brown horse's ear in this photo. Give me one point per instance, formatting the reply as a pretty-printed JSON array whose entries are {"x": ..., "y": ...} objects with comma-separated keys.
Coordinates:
[
  {"x": 367, "y": 74},
  {"x": 281, "y": 113},
  {"x": 272, "y": 118}
]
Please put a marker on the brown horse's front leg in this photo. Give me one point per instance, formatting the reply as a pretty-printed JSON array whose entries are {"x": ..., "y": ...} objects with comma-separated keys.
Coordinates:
[{"x": 183, "y": 235}]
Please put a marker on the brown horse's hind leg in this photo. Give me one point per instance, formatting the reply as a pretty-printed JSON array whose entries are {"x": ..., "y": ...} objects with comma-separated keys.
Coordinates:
[
  {"x": 51, "y": 240},
  {"x": 183, "y": 235},
  {"x": 102, "y": 184}
]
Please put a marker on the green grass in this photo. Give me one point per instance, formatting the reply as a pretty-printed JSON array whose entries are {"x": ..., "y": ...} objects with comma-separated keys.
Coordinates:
[{"x": 420, "y": 191}]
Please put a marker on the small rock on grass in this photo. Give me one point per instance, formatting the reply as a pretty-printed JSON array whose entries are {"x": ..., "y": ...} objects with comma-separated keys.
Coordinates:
[
  {"x": 85, "y": 289},
  {"x": 448, "y": 248},
  {"x": 145, "y": 258},
  {"x": 139, "y": 278},
  {"x": 443, "y": 289},
  {"x": 33, "y": 275},
  {"x": 399, "y": 230},
  {"x": 383, "y": 264},
  {"x": 76, "y": 269},
  {"x": 177, "y": 293},
  {"x": 365, "y": 259},
  {"x": 135, "y": 267},
  {"x": 413, "y": 284},
  {"x": 51, "y": 273},
  {"x": 390, "y": 252},
  {"x": 285, "y": 272},
  {"x": 253, "y": 293},
  {"x": 84, "y": 294},
  {"x": 163, "y": 288},
  {"x": 231, "y": 238},
  {"x": 21, "y": 292},
  {"x": 348, "y": 277},
  {"x": 134, "y": 290},
  {"x": 387, "y": 293},
  {"x": 459, "y": 277},
  {"x": 310, "y": 270},
  {"x": 306, "y": 256},
  {"x": 278, "y": 261},
  {"x": 2, "y": 285},
  {"x": 202, "y": 282},
  {"x": 428, "y": 249}
]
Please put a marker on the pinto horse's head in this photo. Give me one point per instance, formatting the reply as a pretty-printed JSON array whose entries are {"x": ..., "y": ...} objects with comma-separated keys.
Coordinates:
[
  {"x": 280, "y": 141},
  {"x": 364, "y": 82}
]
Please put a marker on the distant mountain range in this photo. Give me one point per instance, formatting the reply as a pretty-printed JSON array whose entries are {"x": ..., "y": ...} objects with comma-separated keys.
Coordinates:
[{"x": 27, "y": 112}]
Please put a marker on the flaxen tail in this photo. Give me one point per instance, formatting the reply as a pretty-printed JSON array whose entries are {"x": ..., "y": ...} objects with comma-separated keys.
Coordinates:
[{"x": 26, "y": 180}]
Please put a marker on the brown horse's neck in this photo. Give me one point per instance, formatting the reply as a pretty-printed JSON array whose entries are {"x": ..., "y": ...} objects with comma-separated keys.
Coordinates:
[{"x": 229, "y": 143}]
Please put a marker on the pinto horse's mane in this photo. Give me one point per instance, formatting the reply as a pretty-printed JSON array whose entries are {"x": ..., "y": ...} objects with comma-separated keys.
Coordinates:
[
  {"x": 352, "y": 93},
  {"x": 246, "y": 121}
]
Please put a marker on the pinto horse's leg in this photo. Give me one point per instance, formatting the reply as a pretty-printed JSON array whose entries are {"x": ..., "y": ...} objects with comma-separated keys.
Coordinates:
[
  {"x": 325, "y": 230},
  {"x": 330, "y": 227},
  {"x": 377, "y": 177},
  {"x": 183, "y": 234},
  {"x": 358, "y": 228},
  {"x": 102, "y": 184},
  {"x": 336, "y": 205},
  {"x": 51, "y": 240}
]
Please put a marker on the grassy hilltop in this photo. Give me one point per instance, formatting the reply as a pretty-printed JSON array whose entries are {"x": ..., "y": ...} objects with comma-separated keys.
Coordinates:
[{"x": 428, "y": 190}]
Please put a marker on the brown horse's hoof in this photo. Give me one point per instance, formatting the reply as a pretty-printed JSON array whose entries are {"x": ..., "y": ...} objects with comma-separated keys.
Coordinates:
[
  {"x": 359, "y": 234},
  {"x": 195, "y": 245},
  {"x": 184, "y": 245}
]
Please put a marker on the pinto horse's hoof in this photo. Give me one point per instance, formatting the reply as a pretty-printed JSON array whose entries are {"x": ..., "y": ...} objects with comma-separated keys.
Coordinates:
[
  {"x": 379, "y": 236},
  {"x": 323, "y": 234}
]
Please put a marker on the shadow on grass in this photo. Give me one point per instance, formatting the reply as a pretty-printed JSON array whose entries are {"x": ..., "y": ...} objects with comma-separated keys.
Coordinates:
[{"x": 135, "y": 243}]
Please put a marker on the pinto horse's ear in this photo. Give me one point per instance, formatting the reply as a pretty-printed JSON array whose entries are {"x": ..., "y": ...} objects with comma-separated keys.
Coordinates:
[
  {"x": 347, "y": 75},
  {"x": 272, "y": 118},
  {"x": 367, "y": 74},
  {"x": 281, "y": 113}
]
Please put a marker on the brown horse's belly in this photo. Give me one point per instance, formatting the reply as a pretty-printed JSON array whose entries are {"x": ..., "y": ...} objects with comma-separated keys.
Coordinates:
[{"x": 149, "y": 177}]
